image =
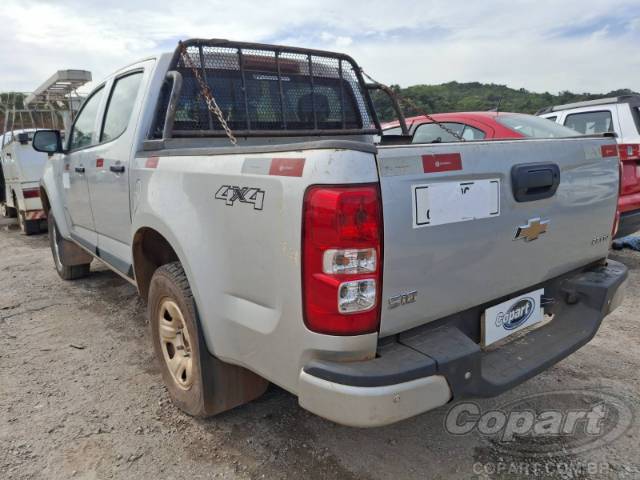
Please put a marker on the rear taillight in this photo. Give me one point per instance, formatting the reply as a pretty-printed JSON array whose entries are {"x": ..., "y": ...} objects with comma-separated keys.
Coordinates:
[
  {"x": 629, "y": 151},
  {"x": 342, "y": 259},
  {"x": 31, "y": 192}
]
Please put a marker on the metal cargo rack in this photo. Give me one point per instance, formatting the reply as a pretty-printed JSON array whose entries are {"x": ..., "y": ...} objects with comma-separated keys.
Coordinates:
[
  {"x": 255, "y": 86},
  {"x": 51, "y": 105},
  {"x": 59, "y": 88}
]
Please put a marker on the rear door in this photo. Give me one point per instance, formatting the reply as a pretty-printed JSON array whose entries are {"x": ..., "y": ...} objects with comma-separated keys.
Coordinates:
[
  {"x": 109, "y": 168},
  {"x": 455, "y": 236},
  {"x": 82, "y": 141}
]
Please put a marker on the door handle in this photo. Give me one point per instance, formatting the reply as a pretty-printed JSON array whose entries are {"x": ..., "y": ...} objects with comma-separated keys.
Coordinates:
[
  {"x": 80, "y": 169},
  {"x": 117, "y": 168},
  {"x": 534, "y": 181}
]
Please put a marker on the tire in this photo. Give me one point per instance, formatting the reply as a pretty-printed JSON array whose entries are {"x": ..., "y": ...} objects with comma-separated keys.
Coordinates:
[
  {"x": 7, "y": 211},
  {"x": 28, "y": 227},
  {"x": 198, "y": 383},
  {"x": 66, "y": 272}
]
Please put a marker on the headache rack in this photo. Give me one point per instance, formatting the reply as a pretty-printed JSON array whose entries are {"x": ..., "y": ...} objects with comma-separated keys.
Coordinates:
[{"x": 262, "y": 90}]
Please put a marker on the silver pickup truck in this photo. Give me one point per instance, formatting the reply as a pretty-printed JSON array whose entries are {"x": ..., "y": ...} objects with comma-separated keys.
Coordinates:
[{"x": 238, "y": 186}]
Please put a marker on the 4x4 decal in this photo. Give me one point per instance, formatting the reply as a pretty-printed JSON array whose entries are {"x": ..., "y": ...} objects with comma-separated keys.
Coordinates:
[{"x": 251, "y": 195}]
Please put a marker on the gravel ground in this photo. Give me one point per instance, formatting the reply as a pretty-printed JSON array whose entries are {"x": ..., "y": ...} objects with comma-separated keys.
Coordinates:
[{"x": 81, "y": 397}]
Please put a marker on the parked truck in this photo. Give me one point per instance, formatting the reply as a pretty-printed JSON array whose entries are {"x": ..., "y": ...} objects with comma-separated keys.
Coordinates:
[
  {"x": 238, "y": 187},
  {"x": 51, "y": 105},
  {"x": 21, "y": 170},
  {"x": 618, "y": 116}
]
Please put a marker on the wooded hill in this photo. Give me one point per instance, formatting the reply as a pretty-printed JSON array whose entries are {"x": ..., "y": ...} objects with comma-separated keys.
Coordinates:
[{"x": 476, "y": 96}]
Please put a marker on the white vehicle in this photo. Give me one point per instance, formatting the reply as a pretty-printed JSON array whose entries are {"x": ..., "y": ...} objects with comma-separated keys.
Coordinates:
[
  {"x": 619, "y": 115},
  {"x": 51, "y": 105},
  {"x": 22, "y": 169},
  {"x": 238, "y": 187}
]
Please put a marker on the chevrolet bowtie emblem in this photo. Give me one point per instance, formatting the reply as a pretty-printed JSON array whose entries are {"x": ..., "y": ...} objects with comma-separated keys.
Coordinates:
[{"x": 532, "y": 230}]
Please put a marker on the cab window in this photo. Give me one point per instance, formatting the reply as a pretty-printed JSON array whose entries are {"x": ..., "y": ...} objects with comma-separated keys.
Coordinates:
[
  {"x": 434, "y": 133},
  {"x": 392, "y": 131},
  {"x": 534, "y": 127},
  {"x": 120, "y": 106},
  {"x": 471, "y": 133},
  {"x": 590, "y": 122},
  {"x": 84, "y": 127}
]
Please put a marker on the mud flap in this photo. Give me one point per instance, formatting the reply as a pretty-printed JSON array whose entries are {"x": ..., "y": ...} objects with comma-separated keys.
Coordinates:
[
  {"x": 239, "y": 385},
  {"x": 71, "y": 254}
]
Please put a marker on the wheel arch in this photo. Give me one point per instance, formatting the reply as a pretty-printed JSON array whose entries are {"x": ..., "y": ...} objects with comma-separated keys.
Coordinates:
[
  {"x": 150, "y": 250},
  {"x": 53, "y": 200}
]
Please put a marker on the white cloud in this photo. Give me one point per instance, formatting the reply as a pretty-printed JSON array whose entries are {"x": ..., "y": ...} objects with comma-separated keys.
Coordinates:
[{"x": 530, "y": 44}]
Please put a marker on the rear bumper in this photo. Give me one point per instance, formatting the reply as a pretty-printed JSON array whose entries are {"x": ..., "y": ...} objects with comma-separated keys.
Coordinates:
[
  {"x": 629, "y": 223},
  {"x": 426, "y": 367}
]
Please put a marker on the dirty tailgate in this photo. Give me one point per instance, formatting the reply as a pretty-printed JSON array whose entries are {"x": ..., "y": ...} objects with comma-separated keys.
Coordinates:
[{"x": 451, "y": 220}]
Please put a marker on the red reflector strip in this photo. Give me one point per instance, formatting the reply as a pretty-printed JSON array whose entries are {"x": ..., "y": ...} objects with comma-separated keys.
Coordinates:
[
  {"x": 287, "y": 167},
  {"x": 609, "y": 150},
  {"x": 441, "y": 162},
  {"x": 35, "y": 215},
  {"x": 629, "y": 151},
  {"x": 99, "y": 162},
  {"x": 152, "y": 162},
  {"x": 31, "y": 193}
]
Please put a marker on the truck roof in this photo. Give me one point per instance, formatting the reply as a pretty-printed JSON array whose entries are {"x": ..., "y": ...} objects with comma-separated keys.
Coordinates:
[{"x": 631, "y": 99}]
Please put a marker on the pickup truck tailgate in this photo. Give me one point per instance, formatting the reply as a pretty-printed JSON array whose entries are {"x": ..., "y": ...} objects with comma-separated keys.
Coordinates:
[{"x": 470, "y": 222}]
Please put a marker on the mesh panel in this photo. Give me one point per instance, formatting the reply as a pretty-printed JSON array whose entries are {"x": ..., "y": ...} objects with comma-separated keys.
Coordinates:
[{"x": 266, "y": 89}]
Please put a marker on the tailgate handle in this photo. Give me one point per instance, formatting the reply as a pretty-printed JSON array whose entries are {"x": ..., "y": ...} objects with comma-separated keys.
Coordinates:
[{"x": 534, "y": 181}]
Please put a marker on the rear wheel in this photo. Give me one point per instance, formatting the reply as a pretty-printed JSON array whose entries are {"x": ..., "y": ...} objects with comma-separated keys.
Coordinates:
[
  {"x": 7, "y": 211},
  {"x": 198, "y": 383},
  {"x": 56, "y": 242}
]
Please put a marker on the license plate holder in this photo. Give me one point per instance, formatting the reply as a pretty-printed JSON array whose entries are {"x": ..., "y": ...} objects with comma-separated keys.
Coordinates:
[{"x": 503, "y": 320}]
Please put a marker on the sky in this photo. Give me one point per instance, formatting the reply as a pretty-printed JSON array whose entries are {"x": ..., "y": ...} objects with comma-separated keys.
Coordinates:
[{"x": 542, "y": 45}]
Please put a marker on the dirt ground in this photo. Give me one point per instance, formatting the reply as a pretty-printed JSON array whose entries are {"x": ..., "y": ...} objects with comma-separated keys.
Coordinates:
[{"x": 81, "y": 397}]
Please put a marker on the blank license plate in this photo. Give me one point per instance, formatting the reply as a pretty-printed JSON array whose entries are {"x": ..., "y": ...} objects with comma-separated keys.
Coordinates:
[{"x": 452, "y": 202}]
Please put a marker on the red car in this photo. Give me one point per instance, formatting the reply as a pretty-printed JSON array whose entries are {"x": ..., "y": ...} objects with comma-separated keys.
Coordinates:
[
  {"x": 489, "y": 125},
  {"x": 479, "y": 126}
]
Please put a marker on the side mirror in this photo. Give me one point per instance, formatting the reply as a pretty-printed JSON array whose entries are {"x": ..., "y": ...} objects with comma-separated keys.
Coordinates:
[{"x": 47, "y": 141}]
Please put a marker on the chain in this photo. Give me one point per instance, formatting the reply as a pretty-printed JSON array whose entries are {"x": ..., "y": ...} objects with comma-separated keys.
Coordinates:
[
  {"x": 212, "y": 105},
  {"x": 413, "y": 105}
]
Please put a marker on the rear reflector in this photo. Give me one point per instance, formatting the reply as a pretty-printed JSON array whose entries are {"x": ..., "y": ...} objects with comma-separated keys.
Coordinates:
[
  {"x": 609, "y": 150},
  {"x": 629, "y": 151},
  {"x": 342, "y": 259},
  {"x": 31, "y": 193}
]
